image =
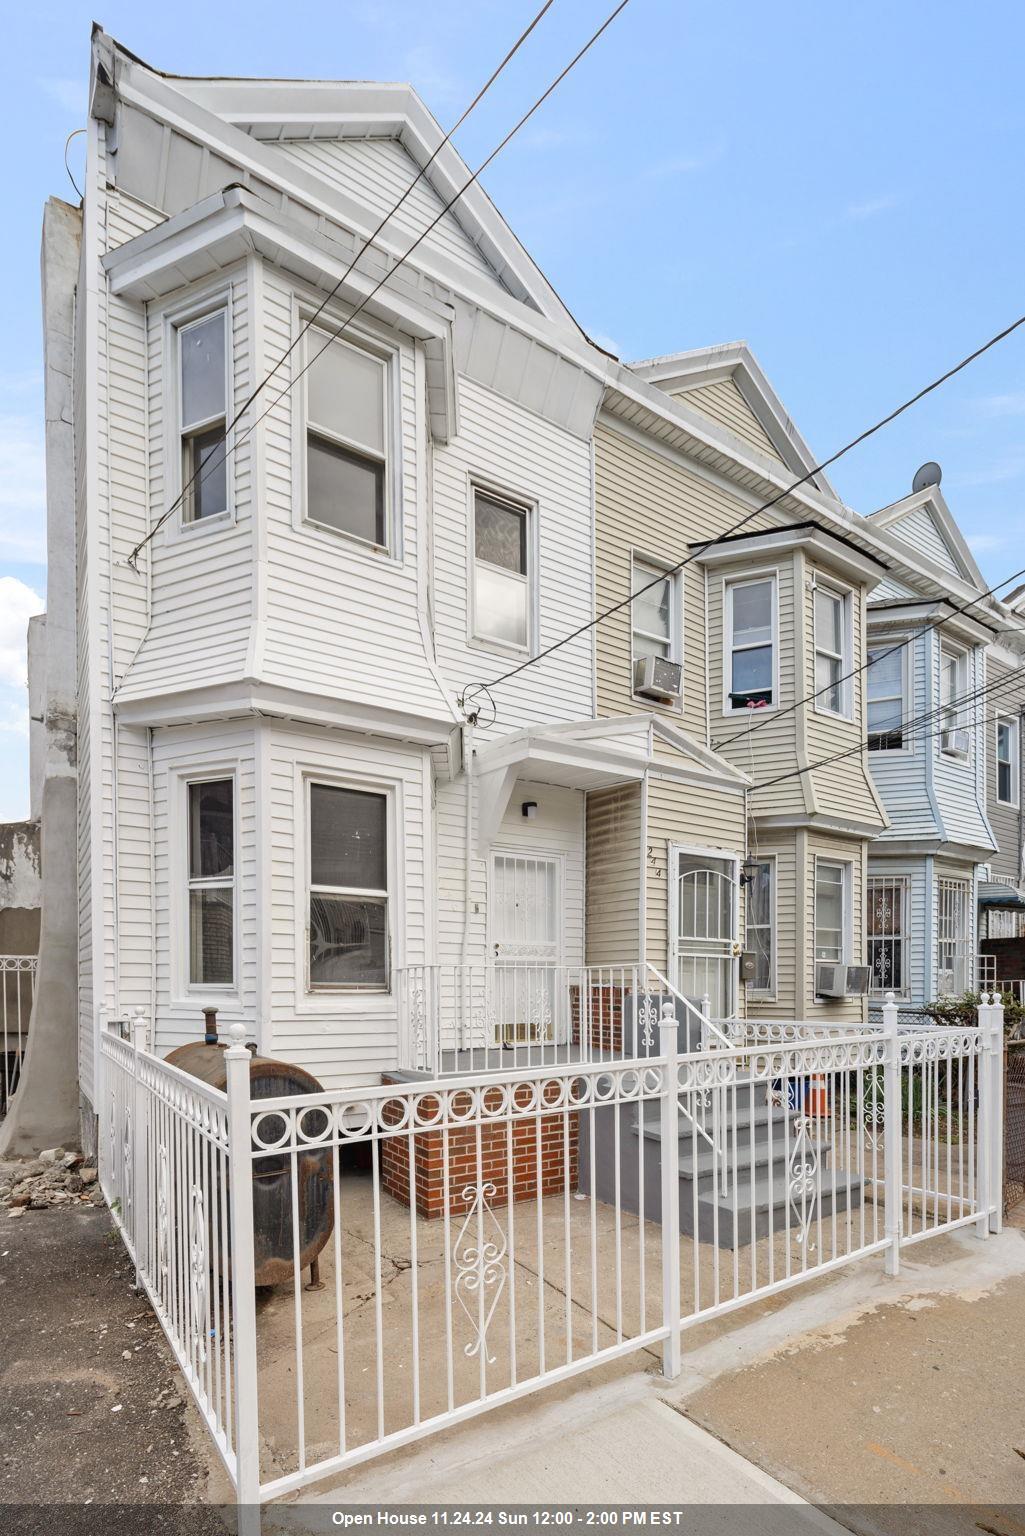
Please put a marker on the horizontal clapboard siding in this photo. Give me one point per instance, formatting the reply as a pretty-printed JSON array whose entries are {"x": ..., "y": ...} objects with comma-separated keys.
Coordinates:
[
  {"x": 613, "y": 875},
  {"x": 1005, "y": 820},
  {"x": 724, "y": 403},
  {"x": 698, "y": 816}
]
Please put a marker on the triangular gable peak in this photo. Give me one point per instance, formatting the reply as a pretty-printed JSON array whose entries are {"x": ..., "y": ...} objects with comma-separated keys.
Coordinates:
[
  {"x": 923, "y": 523},
  {"x": 347, "y": 148},
  {"x": 726, "y": 384}
]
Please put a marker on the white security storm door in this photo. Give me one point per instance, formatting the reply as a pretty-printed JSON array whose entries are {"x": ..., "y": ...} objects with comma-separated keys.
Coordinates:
[
  {"x": 704, "y": 929},
  {"x": 526, "y": 945}
]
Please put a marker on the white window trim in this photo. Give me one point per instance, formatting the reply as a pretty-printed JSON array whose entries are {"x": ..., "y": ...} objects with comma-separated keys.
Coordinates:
[
  {"x": 846, "y": 596},
  {"x": 766, "y": 994},
  {"x": 1014, "y": 721},
  {"x": 517, "y": 501},
  {"x": 847, "y": 918},
  {"x": 676, "y": 625},
  {"x": 906, "y": 657},
  {"x": 903, "y": 883},
  {"x": 729, "y": 583},
  {"x": 345, "y": 1000},
  {"x": 185, "y": 993},
  {"x": 362, "y": 337},
  {"x": 962, "y": 887},
  {"x": 963, "y": 720},
  {"x": 175, "y": 318}
]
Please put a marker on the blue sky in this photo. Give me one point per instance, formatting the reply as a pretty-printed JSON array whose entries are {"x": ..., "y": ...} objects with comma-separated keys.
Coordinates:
[{"x": 837, "y": 185}]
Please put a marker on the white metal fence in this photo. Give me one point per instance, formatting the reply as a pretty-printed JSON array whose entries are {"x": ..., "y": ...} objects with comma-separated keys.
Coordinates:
[
  {"x": 17, "y": 989},
  {"x": 485, "y": 1234}
]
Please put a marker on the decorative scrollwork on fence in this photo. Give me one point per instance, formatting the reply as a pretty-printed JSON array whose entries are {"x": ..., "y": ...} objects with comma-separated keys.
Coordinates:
[
  {"x": 163, "y": 1210},
  {"x": 647, "y": 1018},
  {"x": 198, "y": 1268},
  {"x": 479, "y": 1258},
  {"x": 802, "y": 1181},
  {"x": 127, "y": 1166},
  {"x": 874, "y": 1112}
]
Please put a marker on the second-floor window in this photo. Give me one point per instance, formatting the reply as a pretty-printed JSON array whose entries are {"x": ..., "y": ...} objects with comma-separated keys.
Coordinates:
[
  {"x": 346, "y": 439},
  {"x": 750, "y": 643},
  {"x": 954, "y": 737},
  {"x": 203, "y": 395},
  {"x": 885, "y": 693},
  {"x": 348, "y": 912},
  {"x": 501, "y": 571},
  {"x": 832, "y": 909},
  {"x": 1008, "y": 772},
  {"x": 211, "y": 835},
  {"x": 832, "y": 652}
]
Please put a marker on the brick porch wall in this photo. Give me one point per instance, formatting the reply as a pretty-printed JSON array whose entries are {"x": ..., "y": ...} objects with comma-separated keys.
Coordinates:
[
  {"x": 494, "y": 1166},
  {"x": 605, "y": 1024}
]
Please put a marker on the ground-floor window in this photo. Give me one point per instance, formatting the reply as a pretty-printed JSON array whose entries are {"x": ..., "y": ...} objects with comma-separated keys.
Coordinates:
[
  {"x": 761, "y": 936},
  {"x": 348, "y": 938},
  {"x": 211, "y": 866},
  {"x": 952, "y": 907},
  {"x": 886, "y": 934},
  {"x": 832, "y": 909}
]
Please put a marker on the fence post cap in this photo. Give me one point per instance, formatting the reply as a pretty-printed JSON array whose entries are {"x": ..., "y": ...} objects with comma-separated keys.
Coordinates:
[{"x": 237, "y": 1048}]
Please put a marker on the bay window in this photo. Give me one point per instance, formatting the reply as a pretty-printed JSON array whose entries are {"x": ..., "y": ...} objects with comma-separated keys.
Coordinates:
[
  {"x": 346, "y": 439},
  {"x": 203, "y": 396},
  {"x": 501, "y": 571},
  {"x": 832, "y": 650},
  {"x": 954, "y": 737},
  {"x": 211, "y": 882},
  {"x": 885, "y": 694},
  {"x": 750, "y": 643},
  {"x": 1008, "y": 771},
  {"x": 348, "y": 899}
]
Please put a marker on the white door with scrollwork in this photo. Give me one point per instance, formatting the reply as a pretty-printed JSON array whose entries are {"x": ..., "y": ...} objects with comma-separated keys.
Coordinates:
[
  {"x": 525, "y": 920},
  {"x": 703, "y": 927}
]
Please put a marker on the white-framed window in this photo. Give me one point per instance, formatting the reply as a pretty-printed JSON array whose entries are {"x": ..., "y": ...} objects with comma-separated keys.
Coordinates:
[
  {"x": 955, "y": 740},
  {"x": 210, "y": 822},
  {"x": 886, "y": 696},
  {"x": 203, "y": 393},
  {"x": 832, "y": 910},
  {"x": 952, "y": 901},
  {"x": 886, "y": 935},
  {"x": 832, "y": 624},
  {"x": 347, "y": 433},
  {"x": 750, "y": 626},
  {"x": 502, "y": 575},
  {"x": 761, "y": 924},
  {"x": 653, "y": 619},
  {"x": 348, "y": 906},
  {"x": 1008, "y": 750}
]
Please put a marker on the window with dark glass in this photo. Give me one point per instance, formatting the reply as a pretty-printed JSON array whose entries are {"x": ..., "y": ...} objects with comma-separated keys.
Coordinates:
[
  {"x": 348, "y": 888},
  {"x": 346, "y": 437},
  {"x": 1007, "y": 761},
  {"x": 501, "y": 575},
  {"x": 202, "y": 355},
  {"x": 211, "y": 833}
]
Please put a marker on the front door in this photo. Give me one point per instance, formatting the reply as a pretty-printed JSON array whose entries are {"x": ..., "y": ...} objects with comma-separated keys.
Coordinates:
[
  {"x": 526, "y": 945},
  {"x": 704, "y": 929}
]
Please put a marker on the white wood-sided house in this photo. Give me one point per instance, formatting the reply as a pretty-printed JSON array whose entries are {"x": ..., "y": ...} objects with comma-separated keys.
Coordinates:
[{"x": 944, "y": 749}]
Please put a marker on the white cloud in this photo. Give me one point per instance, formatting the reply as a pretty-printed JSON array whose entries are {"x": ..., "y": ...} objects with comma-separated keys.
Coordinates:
[
  {"x": 14, "y": 719},
  {"x": 984, "y": 543},
  {"x": 425, "y": 70},
  {"x": 69, "y": 94},
  {"x": 1002, "y": 405},
  {"x": 855, "y": 213},
  {"x": 22, "y": 489},
  {"x": 18, "y": 603},
  {"x": 685, "y": 165}
]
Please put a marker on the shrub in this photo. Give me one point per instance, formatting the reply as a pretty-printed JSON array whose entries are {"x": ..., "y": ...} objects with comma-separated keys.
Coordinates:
[{"x": 959, "y": 1011}]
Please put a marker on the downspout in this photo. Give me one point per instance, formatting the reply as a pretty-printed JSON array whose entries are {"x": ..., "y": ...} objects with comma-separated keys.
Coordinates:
[
  {"x": 467, "y": 737},
  {"x": 152, "y": 891}
]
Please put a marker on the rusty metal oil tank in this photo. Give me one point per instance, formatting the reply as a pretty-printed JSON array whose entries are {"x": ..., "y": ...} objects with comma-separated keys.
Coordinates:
[{"x": 272, "y": 1176}]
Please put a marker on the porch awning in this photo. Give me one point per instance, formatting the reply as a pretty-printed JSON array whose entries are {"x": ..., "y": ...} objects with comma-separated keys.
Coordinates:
[{"x": 994, "y": 895}]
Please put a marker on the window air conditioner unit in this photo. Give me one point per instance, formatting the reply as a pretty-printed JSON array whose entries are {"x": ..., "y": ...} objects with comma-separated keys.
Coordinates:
[
  {"x": 657, "y": 678},
  {"x": 955, "y": 741},
  {"x": 857, "y": 980},
  {"x": 830, "y": 980}
]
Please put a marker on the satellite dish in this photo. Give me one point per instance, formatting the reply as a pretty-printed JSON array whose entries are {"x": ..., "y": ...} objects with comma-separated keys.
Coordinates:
[{"x": 929, "y": 474}]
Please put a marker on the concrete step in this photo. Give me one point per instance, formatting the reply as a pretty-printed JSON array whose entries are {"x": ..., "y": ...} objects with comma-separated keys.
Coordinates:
[
  {"x": 732, "y": 1221},
  {"x": 750, "y": 1120}
]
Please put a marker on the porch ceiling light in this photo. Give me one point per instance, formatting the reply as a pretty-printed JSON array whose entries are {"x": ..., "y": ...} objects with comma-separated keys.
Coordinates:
[{"x": 529, "y": 809}]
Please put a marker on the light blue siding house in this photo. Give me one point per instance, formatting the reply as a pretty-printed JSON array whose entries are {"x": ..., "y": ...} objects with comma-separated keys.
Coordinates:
[{"x": 930, "y": 711}]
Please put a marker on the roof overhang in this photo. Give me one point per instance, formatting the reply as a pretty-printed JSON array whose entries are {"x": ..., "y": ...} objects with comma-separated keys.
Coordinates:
[
  {"x": 994, "y": 896},
  {"x": 904, "y": 615},
  {"x": 832, "y": 549},
  {"x": 217, "y": 233}
]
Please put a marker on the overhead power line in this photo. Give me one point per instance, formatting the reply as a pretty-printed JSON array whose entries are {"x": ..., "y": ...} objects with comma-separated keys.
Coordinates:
[
  {"x": 912, "y": 727},
  {"x": 898, "y": 645},
  {"x": 215, "y": 460},
  {"x": 817, "y": 469}
]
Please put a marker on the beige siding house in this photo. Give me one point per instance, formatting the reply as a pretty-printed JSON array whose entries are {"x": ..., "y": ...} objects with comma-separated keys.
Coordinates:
[{"x": 686, "y": 449}]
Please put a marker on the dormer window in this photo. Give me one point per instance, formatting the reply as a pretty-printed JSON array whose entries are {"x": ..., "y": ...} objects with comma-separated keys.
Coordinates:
[
  {"x": 203, "y": 395},
  {"x": 346, "y": 439}
]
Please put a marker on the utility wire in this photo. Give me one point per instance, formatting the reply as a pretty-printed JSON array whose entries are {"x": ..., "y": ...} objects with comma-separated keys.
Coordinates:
[
  {"x": 582, "y": 629},
  {"x": 910, "y": 726},
  {"x": 899, "y": 645},
  {"x": 214, "y": 461}
]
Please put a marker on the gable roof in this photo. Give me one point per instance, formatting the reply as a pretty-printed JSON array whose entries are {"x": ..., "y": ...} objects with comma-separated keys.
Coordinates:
[
  {"x": 282, "y": 132},
  {"x": 727, "y": 383},
  {"x": 924, "y": 523}
]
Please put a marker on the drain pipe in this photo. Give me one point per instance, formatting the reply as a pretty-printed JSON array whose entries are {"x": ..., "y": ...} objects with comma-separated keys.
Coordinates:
[{"x": 468, "y": 848}]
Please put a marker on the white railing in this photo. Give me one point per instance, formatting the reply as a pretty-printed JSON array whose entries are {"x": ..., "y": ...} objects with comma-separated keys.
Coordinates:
[
  {"x": 481, "y": 1235},
  {"x": 508, "y": 1014},
  {"x": 17, "y": 990}
]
